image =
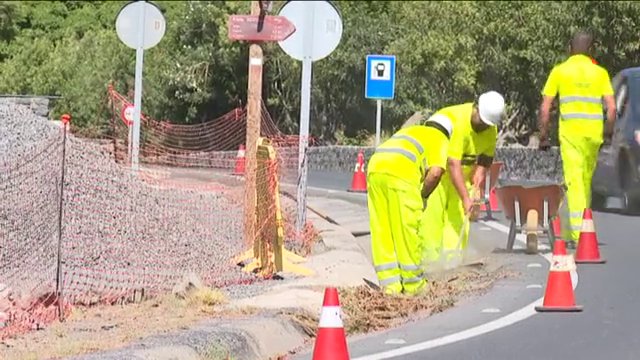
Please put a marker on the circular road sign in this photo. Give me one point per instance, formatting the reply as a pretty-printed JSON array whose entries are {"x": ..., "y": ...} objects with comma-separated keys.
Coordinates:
[
  {"x": 127, "y": 114},
  {"x": 129, "y": 20},
  {"x": 319, "y": 18}
]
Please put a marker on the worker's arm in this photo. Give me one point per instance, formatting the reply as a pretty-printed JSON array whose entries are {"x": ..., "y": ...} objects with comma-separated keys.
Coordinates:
[
  {"x": 457, "y": 178},
  {"x": 549, "y": 93},
  {"x": 431, "y": 180},
  {"x": 543, "y": 117},
  {"x": 610, "y": 103},
  {"x": 484, "y": 165}
]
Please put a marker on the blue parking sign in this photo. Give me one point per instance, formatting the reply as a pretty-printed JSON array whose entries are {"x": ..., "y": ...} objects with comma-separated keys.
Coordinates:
[{"x": 380, "y": 77}]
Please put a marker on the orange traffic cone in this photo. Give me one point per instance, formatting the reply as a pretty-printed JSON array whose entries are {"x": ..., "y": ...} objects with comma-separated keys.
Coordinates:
[
  {"x": 331, "y": 342},
  {"x": 557, "y": 232},
  {"x": 493, "y": 202},
  {"x": 359, "y": 181},
  {"x": 587, "y": 251},
  {"x": 559, "y": 296},
  {"x": 240, "y": 159},
  {"x": 559, "y": 248}
]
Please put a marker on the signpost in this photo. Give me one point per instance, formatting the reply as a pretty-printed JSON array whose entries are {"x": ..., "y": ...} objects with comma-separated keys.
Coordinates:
[
  {"x": 127, "y": 114},
  {"x": 380, "y": 83},
  {"x": 245, "y": 27},
  {"x": 255, "y": 28},
  {"x": 318, "y": 32},
  {"x": 140, "y": 25}
]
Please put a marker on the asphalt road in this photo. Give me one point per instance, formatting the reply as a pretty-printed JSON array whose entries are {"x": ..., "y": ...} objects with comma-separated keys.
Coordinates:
[{"x": 607, "y": 328}]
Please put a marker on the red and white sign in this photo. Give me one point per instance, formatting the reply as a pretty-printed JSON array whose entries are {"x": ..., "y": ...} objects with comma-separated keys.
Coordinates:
[{"x": 127, "y": 114}]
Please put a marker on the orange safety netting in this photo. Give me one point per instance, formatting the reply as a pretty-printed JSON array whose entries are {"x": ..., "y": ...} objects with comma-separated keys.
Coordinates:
[{"x": 118, "y": 235}]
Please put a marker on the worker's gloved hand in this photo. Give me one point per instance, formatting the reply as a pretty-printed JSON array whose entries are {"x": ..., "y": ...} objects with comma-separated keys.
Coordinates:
[{"x": 544, "y": 145}]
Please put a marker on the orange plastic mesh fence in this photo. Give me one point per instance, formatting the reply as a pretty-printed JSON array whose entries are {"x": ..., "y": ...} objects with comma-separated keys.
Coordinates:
[{"x": 127, "y": 235}]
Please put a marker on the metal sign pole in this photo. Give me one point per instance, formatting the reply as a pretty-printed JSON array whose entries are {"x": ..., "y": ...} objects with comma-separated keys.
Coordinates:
[
  {"x": 137, "y": 98},
  {"x": 378, "y": 120},
  {"x": 305, "y": 105}
]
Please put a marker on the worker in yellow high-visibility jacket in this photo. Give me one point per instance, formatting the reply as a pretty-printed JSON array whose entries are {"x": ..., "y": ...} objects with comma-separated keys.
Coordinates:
[
  {"x": 403, "y": 172},
  {"x": 581, "y": 85},
  {"x": 445, "y": 229}
]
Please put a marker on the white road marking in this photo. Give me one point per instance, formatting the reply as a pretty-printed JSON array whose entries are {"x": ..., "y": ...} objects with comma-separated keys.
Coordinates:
[
  {"x": 491, "y": 310},
  {"x": 395, "y": 342},
  {"x": 509, "y": 319},
  {"x": 534, "y": 265},
  {"x": 534, "y": 286},
  {"x": 485, "y": 228}
]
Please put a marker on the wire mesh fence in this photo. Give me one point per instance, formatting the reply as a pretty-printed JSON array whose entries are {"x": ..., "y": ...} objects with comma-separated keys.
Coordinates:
[{"x": 88, "y": 230}]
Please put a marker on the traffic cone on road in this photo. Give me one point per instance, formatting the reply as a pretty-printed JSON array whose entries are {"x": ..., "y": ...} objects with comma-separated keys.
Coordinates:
[
  {"x": 359, "y": 181},
  {"x": 587, "y": 251},
  {"x": 557, "y": 232},
  {"x": 559, "y": 246},
  {"x": 240, "y": 160},
  {"x": 559, "y": 296},
  {"x": 331, "y": 342}
]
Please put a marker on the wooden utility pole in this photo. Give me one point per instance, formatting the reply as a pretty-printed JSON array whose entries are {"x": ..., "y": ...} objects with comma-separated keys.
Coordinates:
[{"x": 254, "y": 106}]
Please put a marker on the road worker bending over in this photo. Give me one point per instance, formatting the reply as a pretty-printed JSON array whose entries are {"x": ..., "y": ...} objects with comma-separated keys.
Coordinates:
[
  {"x": 402, "y": 172},
  {"x": 581, "y": 86},
  {"x": 445, "y": 229}
]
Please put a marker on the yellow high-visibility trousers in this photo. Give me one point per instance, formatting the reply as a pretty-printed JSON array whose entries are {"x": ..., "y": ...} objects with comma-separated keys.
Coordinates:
[
  {"x": 579, "y": 159},
  {"x": 395, "y": 207},
  {"x": 443, "y": 223}
]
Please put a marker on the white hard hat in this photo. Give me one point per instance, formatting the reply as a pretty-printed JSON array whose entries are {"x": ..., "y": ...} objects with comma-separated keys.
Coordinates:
[
  {"x": 443, "y": 121},
  {"x": 491, "y": 107}
]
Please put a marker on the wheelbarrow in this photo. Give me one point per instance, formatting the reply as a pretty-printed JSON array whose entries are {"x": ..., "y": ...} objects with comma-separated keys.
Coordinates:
[
  {"x": 489, "y": 185},
  {"x": 539, "y": 202}
]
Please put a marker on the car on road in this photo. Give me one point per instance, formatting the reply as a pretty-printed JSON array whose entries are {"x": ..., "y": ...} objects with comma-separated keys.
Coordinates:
[{"x": 616, "y": 181}]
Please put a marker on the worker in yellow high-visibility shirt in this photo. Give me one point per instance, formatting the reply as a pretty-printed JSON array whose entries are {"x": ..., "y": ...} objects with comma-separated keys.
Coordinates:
[
  {"x": 445, "y": 229},
  {"x": 581, "y": 85},
  {"x": 403, "y": 172}
]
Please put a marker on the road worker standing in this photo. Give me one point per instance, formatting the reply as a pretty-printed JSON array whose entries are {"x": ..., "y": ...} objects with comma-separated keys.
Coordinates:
[
  {"x": 581, "y": 85},
  {"x": 403, "y": 172},
  {"x": 445, "y": 229}
]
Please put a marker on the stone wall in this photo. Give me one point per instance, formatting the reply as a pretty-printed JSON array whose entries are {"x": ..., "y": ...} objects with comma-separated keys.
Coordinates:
[
  {"x": 39, "y": 105},
  {"x": 520, "y": 163}
]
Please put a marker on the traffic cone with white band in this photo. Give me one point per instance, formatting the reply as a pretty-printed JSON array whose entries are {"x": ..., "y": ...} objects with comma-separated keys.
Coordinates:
[
  {"x": 331, "y": 342},
  {"x": 587, "y": 251},
  {"x": 559, "y": 296}
]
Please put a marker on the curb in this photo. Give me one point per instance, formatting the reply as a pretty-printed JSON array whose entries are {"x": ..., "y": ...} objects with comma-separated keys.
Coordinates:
[{"x": 241, "y": 338}]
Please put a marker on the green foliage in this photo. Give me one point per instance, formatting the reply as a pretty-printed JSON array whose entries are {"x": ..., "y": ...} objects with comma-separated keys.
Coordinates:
[{"x": 447, "y": 51}]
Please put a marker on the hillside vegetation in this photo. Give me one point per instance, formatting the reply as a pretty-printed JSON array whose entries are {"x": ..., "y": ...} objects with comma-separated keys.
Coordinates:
[{"x": 447, "y": 52}]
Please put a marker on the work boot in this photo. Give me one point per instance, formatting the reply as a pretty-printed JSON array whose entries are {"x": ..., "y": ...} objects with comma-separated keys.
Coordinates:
[{"x": 570, "y": 244}]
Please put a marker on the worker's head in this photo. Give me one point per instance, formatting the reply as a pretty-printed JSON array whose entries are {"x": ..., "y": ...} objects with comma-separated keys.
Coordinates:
[
  {"x": 442, "y": 123},
  {"x": 581, "y": 43},
  {"x": 488, "y": 111}
]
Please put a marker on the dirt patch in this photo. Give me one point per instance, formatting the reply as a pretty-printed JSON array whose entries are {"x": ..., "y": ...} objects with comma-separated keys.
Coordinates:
[
  {"x": 99, "y": 328},
  {"x": 366, "y": 309}
]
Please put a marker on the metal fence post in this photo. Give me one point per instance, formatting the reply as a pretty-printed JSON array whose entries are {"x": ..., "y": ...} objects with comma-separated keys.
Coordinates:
[{"x": 65, "y": 122}]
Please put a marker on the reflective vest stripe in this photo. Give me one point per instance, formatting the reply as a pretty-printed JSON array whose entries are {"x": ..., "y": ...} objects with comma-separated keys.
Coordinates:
[
  {"x": 384, "y": 267},
  {"x": 411, "y": 140},
  {"x": 587, "y": 99},
  {"x": 581, "y": 116},
  {"x": 414, "y": 279},
  {"x": 409, "y": 267},
  {"x": 400, "y": 151},
  {"x": 389, "y": 281},
  {"x": 394, "y": 265}
]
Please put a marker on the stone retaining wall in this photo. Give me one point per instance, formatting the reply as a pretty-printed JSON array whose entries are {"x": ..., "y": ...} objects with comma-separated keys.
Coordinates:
[
  {"x": 39, "y": 105},
  {"x": 520, "y": 163}
]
